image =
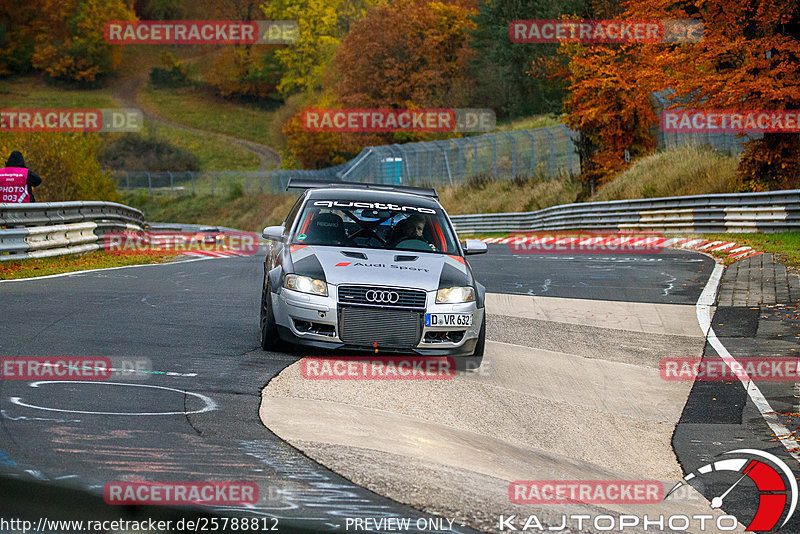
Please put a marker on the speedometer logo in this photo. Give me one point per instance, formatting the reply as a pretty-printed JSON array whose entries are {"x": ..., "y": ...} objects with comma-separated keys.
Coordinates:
[{"x": 774, "y": 481}]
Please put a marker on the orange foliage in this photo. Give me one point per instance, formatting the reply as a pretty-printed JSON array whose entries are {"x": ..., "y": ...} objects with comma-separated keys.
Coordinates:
[{"x": 749, "y": 58}]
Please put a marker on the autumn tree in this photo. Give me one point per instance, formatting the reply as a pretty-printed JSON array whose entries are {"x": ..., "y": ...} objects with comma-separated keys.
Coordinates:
[
  {"x": 418, "y": 56},
  {"x": 511, "y": 77},
  {"x": 749, "y": 58},
  {"x": 409, "y": 53},
  {"x": 609, "y": 106},
  {"x": 18, "y": 27},
  {"x": 321, "y": 26},
  {"x": 69, "y": 42}
]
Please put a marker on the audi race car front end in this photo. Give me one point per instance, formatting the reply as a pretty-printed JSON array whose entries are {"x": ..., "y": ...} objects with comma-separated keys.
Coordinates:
[{"x": 371, "y": 270}]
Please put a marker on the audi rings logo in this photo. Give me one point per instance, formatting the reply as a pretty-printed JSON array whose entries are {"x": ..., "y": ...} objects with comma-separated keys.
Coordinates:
[{"x": 382, "y": 297}]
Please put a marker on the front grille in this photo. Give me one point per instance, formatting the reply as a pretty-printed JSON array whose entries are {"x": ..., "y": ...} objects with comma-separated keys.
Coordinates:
[
  {"x": 389, "y": 328},
  {"x": 407, "y": 298}
]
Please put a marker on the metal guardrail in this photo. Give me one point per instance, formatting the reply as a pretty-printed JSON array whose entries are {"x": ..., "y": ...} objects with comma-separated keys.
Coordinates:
[
  {"x": 773, "y": 211},
  {"x": 39, "y": 230}
]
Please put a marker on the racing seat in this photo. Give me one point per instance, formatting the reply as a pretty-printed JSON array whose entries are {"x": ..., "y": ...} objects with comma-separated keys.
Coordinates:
[{"x": 326, "y": 229}]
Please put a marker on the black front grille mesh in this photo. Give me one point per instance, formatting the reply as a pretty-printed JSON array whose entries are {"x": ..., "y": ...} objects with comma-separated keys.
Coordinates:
[{"x": 388, "y": 328}]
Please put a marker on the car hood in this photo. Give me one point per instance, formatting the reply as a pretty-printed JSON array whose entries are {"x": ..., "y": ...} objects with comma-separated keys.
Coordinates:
[{"x": 360, "y": 266}]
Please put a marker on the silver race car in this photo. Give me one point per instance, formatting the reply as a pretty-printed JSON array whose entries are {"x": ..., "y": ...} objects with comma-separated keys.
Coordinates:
[{"x": 371, "y": 268}]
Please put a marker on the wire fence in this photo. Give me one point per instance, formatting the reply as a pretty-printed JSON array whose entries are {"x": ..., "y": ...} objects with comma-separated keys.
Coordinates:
[
  {"x": 541, "y": 152},
  {"x": 730, "y": 142}
]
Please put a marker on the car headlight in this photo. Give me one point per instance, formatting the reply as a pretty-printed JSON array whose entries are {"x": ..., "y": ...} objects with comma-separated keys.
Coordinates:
[
  {"x": 305, "y": 284},
  {"x": 455, "y": 295}
]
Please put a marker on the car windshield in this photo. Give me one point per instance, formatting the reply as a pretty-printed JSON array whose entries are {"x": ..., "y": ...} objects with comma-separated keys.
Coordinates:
[{"x": 371, "y": 225}]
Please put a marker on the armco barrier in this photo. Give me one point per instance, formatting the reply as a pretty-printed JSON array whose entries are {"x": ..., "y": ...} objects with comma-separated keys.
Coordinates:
[
  {"x": 44, "y": 229},
  {"x": 773, "y": 211}
]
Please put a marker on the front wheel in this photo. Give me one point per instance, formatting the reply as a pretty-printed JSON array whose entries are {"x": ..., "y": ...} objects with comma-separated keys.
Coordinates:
[
  {"x": 473, "y": 362},
  {"x": 269, "y": 329}
]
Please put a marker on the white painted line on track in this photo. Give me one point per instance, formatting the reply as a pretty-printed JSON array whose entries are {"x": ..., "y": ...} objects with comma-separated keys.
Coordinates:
[
  {"x": 703, "y": 307},
  {"x": 209, "y": 403}
]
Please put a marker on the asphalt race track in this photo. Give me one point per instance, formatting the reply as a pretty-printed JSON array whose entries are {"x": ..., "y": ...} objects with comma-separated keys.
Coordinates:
[{"x": 569, "y": 385}]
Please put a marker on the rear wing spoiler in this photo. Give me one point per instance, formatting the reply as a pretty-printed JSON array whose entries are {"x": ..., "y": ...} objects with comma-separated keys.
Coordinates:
[{"x": 302, "y": 183}]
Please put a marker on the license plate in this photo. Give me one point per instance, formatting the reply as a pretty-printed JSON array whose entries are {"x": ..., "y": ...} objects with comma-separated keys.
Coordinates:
[{"x": 448, "y": 319}]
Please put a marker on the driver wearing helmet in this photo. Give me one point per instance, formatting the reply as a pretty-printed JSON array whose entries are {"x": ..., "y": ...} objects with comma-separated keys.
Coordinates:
[{"x": 412, "y": 227}]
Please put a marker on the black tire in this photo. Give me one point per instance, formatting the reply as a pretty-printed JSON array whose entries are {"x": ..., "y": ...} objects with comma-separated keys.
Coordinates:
[
  {"x": 481, "y": 344},
  {"x": 270, "y": 340},
  {"x": 473, "y": 363}
]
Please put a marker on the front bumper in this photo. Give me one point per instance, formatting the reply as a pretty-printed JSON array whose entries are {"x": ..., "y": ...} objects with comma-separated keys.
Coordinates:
[{"x": 316, "y": 321}]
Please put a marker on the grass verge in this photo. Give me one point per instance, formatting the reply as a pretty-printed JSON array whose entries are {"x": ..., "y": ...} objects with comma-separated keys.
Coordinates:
[
  {"x": 33, "y": 267},
  {"x": 529, "y": 123},
  {"x": 213, "y": 154},
  {"x": 200, "y": 108},
  {"x": 785, "y": 245},
  {"x": 33, "y": 92},
  {"x": 484, "y": 195},
  {"x": 249, "y": 212},
  {"x": 687, "y": 170}
]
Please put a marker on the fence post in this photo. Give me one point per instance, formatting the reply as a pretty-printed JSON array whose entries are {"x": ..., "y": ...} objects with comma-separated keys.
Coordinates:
[
  {"x": 171, "y": 182},
  {"x": 570, "y": 148},
  {"x": 127, "y": 181},
  {"x": 212, "y": 184},
  {"x": 513, "y": 155},
  {"x": 149, "y": 184},
  {"x": 552, "y": 153},
  {"x": 403, "y": 162},
  {"x": 494, "y": 145},
  {"x": 475, "y": 140},
  {"x": 460, "y": 161},
  {"x": 192, "y": 175},
  {"x": 533, "y": 153}
]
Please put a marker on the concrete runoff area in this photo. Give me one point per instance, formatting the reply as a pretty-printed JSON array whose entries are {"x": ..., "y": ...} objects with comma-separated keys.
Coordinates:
[{"x": 529, "y": 413}]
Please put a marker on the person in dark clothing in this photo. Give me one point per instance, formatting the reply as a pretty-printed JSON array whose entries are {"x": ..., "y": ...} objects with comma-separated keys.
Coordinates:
[{"x": 16, "y": 160}]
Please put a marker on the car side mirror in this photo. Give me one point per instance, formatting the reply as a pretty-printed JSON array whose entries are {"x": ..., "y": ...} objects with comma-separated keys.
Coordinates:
[
  {"x": 274, "y": 233},
  {"x": 474, "y": 246}
]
